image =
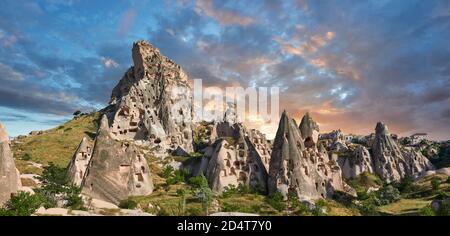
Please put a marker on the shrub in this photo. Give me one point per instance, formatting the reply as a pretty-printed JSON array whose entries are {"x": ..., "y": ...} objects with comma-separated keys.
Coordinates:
[
  {"x": 368, "y": 208},
  {"x": 22, "y": 204},
  {"x": 167, "y": 172},
  {"x": 388, "y": 194},
  {"x": 276, "y": 200},
  {"x": 405, "y": 184},
  {"x": 128, "y": 204},
  {"x": 435, "y": 183},
  {"x": 426, "y": 211},
  {"x": 26, "y": 157},
  {"x": 198, "y": 181}
]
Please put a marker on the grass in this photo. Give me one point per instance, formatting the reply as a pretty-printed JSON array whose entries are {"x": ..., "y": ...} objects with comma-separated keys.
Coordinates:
[
  {"x": 334, "y": 208},
  {"x": 247, "y": 203},
  {"x": 26, "y": 168},
  {"x": 404, "y": 207},
  {"x": 363, "y": 182},
  {"x": 56, "y": 145}
]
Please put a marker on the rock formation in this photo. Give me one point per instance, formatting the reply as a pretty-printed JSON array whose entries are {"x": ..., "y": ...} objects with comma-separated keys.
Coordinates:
[
  {"x": 390, "y": 163},
  {"x": 239, "y": 156},
  {"x": 117, "y": 169},
  {"x": 305, "y": 172},
  {"x": 9, "y": 175},
  {"x": 356, "y": 164},
  {"x": 152, "y": 102},
  {"x": 309, "y": 130},
  {"x": 80, "y": 160}
]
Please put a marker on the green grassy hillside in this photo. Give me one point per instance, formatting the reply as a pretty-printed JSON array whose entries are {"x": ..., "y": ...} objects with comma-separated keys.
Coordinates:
[{"x": 56, "y": 145}]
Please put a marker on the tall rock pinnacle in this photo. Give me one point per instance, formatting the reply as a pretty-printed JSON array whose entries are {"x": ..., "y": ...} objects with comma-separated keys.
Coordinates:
[{"x": 153, "y": 101}]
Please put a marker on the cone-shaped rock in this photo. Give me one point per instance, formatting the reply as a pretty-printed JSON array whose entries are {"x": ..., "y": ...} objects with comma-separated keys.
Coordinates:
[
  {"x": 309, "y": 130},
  {"x": 80, "y": 160},
  {"x": 389, "y": 160},
  {"x": 117, "y": 169}
]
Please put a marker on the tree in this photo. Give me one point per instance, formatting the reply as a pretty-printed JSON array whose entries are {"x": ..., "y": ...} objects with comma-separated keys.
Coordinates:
[
  {"x": 77, "y": 113},
  {"x": 202, "y": 191}
]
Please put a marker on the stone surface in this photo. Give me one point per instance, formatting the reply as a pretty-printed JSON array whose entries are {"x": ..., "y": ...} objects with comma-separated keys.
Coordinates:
[
  {"x": 306, "y": 172},
  {"x": 390, "y": 162},
  {"x": 240, "y": 156},
  {"x": 52, "y": 212},
  {"x": 153, "y": 101},
  {"x": 117, "y": 169},
  {"x": 80, "y": 161},
  {"x": 356, "y": 164},
  {"x": 9, "y": 175},
  {"x": 309, "y": 130}
]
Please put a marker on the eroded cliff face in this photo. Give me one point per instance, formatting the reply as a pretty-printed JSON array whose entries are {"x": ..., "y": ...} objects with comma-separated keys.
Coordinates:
[
  {"x": 116, "y": 170},
  {"x": 358, "y": 163},
  {"x": 9, "y": 175},
  {"x": 389, "y": 160},
  {"x": 306, "y": 172},
  {"x": 79, "y": 163},
  {"x": 153, "y": 102},
  {"x": 239, "y": 156}
]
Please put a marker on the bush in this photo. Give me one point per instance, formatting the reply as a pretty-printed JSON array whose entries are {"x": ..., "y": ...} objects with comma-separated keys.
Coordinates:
[
  {"x": 368, "y": 208},
  {"x": 435, "y": 183},
  {"x": 405, "y": 184},
  {"x": 388, "y": 194},
  {"x": 426, "y": 211},
  {"x": 22, "y": 204},
  {"x": 276, "y": 200},
  {"x": 26, "y": 157},
  {"x": 198, "y": 181},
  {"x": 128, "y": 204},
  {"x": 167, "y": 172}
]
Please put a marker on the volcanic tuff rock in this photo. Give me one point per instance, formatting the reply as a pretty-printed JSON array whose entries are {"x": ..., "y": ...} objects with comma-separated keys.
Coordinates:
[
  {"x": 309, "y": 130},
  {"x": 389, "y": 161},
  {"x": 239, "y": 157},
  {"x": 9, "y": 175},
  {"x": 80, "y": 160},
  {"x": 356, "y": 164},
  {"x": 305, "y": 172},
  {"x": 152, "y": 102},
  {"x": 117, "y": 169}
]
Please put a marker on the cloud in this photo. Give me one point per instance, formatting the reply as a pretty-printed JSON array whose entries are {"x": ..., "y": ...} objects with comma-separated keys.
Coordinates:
[
  {"x": 109, "y": 63},
  {"x": 224, "y": 17},
  {"x": 7, "y": 73}
]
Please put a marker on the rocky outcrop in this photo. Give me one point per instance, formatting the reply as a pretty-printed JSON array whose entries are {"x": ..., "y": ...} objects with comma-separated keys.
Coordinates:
[
  {"x": 359, "y": 162},
  {"x": 9, "y": 175},
  {"x": 117, "y": 169},
  {"x": 152, "y": 102},
  {"x": 80, "y": 161},
  {"x": 306, "y": 172},
  {"x": 309, "y": 130},
  {"x": 390, "y": 162},
  {"x": 239, "y": 157}
]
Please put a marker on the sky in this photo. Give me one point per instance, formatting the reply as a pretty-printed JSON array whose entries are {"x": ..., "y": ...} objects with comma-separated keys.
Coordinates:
[{"x": 349, "y": 63}]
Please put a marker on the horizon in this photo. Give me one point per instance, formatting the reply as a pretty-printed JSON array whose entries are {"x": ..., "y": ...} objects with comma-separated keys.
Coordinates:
[{"x": 349, "y": 64}]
